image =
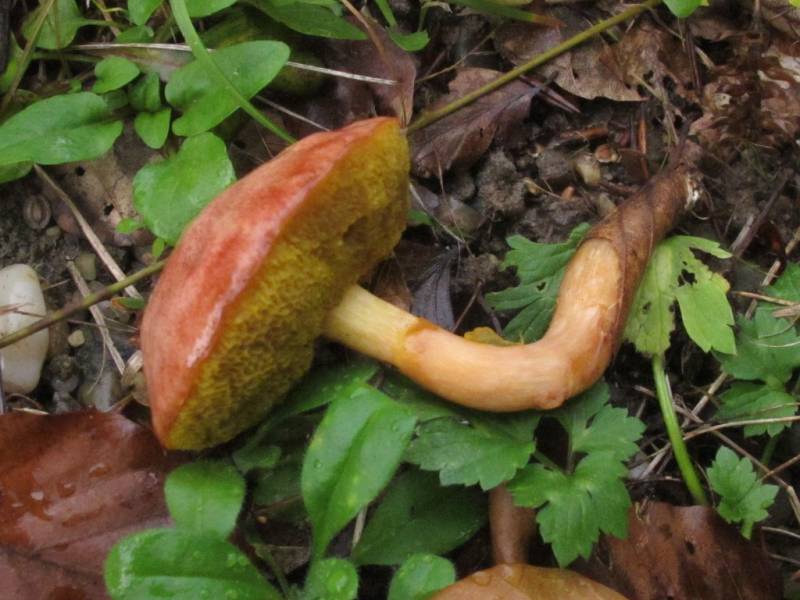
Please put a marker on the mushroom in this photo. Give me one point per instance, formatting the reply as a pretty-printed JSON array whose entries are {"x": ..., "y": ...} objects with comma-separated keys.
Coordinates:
[{"x": 273, "y": 261}]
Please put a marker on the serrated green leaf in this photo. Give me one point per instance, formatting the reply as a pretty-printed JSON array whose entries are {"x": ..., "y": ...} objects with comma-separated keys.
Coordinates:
[
  {"x": 595, "y": 426},
  {"x": 767, "y": 349},
  {"x": 486, "y": 449},
  {"x": 60, "y": 26},
  {"x": 60, "y": 129},
  {"x": 573, "y": 509},
  {"x": 170, "y": 193},
  {"x": 310, "y": 19},
  {"x": 205, "y": 497},
  {"x": 153, "y": 128},
  {"x": 540, "y": 268},
  {"x": 145, "y": 94},
  {"x": 205, "y": 8},
  {"x": 417, "y": 515},
  {"x": 419, "y": 577},
  {"x": 205, "y": 103},
  {"x": 182, "y": 565},
  {"x": 331, "y": 579},
  {"x": 352, "y": 456},
  {"x": 746, "y": 401},
  {"x": 112, "y": 73},
  {"x": 744, "y": 499},
  {"x": 141, "y": 10},
  {"x": 673, "y": 266},
  {"x": 787, "y": 285}
]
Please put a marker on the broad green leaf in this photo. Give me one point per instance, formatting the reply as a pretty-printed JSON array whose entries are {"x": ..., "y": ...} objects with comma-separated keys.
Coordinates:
[
  {"x": 788, "y": 284},
  {"x": 420, "y": 576},
  {"x": 60, "y": 129},
  {"x": 141, "y": 10},
  {"x": 488, "y": 449},
  {"x": 112, "y": 73},
  {"x": 331, "y": 579},
  {"x": 683, "y": 8},
  {"x": 540, "y": 268},
  {"x": 14, "y": 171},
  {"x": 410, "y": 42},
  {"x": 153, "y": 128},
  {"x": 425, "y": 405},
  {"x": 310, "y": 19},
  {"x": 139, "y": 34},
  {"x": 170, "y": 193},
  {"x": 60, "y": 26},
  {"x": 204, "y": 102},
  {"x": 573, "y": 509},
  {"x": 204, "y": 8},
  {"x": 145, "y": 94},
  {"x": 707, "y": 315},
  {"x": 417, "y": 515},
  {"x": 747, "y": 401},
  {"x": 673, "y": 266},
  {"x": 595, "y": 426},
  {"x": 205, "y": 497},
  {"x": 767, "y": 349},
  {"x": 352, "y": 456},
  {"x": 182, "y": 565},
  {"x": 743, "y": 498}
]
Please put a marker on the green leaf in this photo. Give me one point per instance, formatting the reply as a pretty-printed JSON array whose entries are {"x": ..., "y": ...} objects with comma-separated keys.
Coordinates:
[
  {"x": 263, "y": 456},
  {"x": 145, "y": 94},
  {"x": 768, "y": 349},
  {"x": 488, "y": 449},
  {"x": 420, "y": 576},
  {"x": 170, "y": 193},
  {"x": 204, "y": 8},
  {"x": 386, "y": 11},
  {"x": 672, "y": 268},
  {"x": 153, "y": 128},
  {"x": 573, "y": 509},
  {"x": 138, "y": 34},
  {"x": 595, "y": 426},
  {"x": 182, "y": 565},
  {"x": 352, "y": 456},
  {"x": 112, "y": 73},
  {"x": 788, "y": 284},
  {"x": 746, "y": 401},
  {"x": 12, "y": 67},
  {"x": 60, "y": 129},
  {"x": 141, "y": 10},
  {"x": 205, "y": 497},
  {"x": 60, "y": 26},
  {"x": 331, "y": 579},
  {"x": 417, "y": 515},
  {"x": 278, "y": 490},
  {"x": 743, "y": 499},
  {"x": 204, "y": 102},
  {"x": 14, "y": 171},
  {"x": 310, "y": 19},
  {"x": 425, "y": 405},
  {"x": 683, "y": 8},
  {"x": 410, "y": 42},
  {"x": 540, "y": 268}
]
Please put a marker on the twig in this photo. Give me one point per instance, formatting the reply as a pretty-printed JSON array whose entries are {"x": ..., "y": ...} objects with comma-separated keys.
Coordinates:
[{"x": 87, "y": 230}]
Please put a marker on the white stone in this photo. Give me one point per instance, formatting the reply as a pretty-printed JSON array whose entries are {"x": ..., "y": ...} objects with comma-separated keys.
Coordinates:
[{"x": 21, "y": 303}]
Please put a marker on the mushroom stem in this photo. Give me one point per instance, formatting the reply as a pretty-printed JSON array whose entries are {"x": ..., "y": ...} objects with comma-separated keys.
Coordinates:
[{"x": 586, "y": 329}]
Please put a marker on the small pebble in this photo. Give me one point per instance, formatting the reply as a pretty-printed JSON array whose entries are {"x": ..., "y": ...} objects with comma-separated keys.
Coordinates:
[
  {"x": 87, "y": 265},
  {"x": 77, "y": 338}
]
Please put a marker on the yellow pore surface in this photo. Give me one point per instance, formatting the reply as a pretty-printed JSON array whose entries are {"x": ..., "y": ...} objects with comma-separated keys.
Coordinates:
[{"x": 349, "y": 221}]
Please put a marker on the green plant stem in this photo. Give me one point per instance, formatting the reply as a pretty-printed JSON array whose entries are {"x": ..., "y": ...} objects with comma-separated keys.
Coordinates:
[
  {"x": 90, "y": 300},
  {"x": 769, "y": 450},
  {"x": 184, "y": 23},
  {"x": 434, "y": 115},
  {"x": 674, "y": 432}
]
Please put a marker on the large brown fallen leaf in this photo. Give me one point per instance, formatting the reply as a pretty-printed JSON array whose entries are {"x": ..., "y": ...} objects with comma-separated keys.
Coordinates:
[
  {"x": 645, "y": 54},
  {"x": 70, "y": 486},
  {"x": 524, "y": 582},
  {"x": 684, "y": 553},
  {"x": 460, "y": 139}
]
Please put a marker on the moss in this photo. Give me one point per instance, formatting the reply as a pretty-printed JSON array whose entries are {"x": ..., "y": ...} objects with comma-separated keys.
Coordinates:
[{"x": 350, "y": 221}]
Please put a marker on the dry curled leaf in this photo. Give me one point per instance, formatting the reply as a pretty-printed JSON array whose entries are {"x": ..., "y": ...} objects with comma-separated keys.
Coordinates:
[
  {"x": 460, "y": 139},
  {"x": 698, "y": 557},
  {"x": 524, "y": 582},
  {"x": 70, "y": 486}
]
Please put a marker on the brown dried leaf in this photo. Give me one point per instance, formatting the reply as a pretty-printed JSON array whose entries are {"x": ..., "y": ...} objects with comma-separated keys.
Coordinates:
[
  {"x": 596, "y": 69},
  {"x": 70, "y": 486},
  {"x": 684, "y": 553},
  {"x": 460, "y": 139},
  {"x": 524, "y": 582}
]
